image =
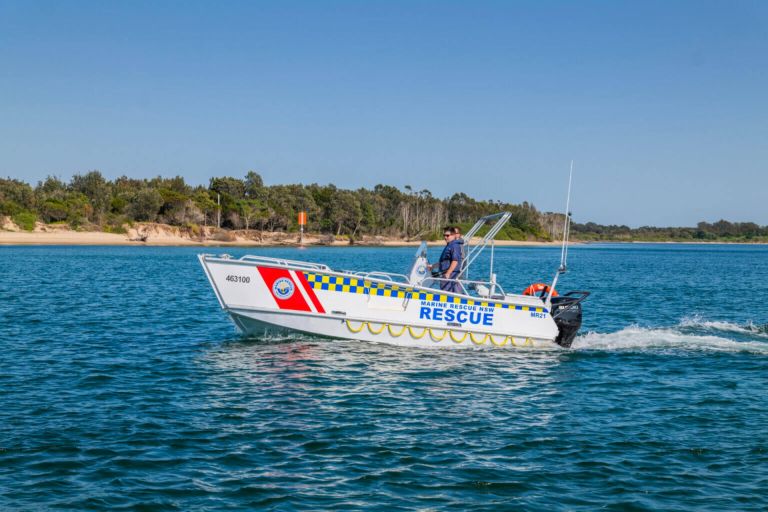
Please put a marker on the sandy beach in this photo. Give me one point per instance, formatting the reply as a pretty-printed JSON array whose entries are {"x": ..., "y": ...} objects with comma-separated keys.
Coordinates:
[
  {"x": 165, "y": 235},
  {"x": 162, "y": 235}
]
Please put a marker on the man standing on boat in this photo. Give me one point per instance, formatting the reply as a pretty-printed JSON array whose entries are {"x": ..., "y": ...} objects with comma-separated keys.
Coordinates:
[{"x": 449, "y": 265}]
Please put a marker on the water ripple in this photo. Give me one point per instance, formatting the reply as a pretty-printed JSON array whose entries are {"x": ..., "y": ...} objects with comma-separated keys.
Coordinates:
[{"x": 124, "y": 387}]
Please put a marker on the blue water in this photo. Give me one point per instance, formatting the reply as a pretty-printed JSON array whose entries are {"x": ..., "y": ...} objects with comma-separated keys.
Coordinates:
[{"x": 124, "y": 386}]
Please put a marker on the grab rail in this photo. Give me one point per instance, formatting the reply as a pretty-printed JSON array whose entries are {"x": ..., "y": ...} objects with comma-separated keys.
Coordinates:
[
  {"x": 383, "y": 276},
  {"x": 434, "y": 283},
  {"x": 285, "y": 263},
  {"x": 389, "y": 276},
  {"x": 272, "y": 261},
  {"x": 495, "y": 290},
  {"x": 470, "y": 252}
]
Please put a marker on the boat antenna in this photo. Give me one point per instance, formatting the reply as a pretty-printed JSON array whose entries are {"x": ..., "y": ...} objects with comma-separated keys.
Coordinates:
[
  {"x": 566, "y": 226},
  {"x": 564, "y": 250}
]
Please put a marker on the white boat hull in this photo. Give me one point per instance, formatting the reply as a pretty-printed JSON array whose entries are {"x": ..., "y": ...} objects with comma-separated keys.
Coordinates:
[{"x": 262, "y": 296}]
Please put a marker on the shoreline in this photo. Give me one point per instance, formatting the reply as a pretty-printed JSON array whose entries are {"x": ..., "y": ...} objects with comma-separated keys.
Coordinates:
[
  {"x": 164, "y": 238},
  {"x": 657, "y": 242},
  {"x": 162, "y": 235},
  {"x": 168, "y": 239}
]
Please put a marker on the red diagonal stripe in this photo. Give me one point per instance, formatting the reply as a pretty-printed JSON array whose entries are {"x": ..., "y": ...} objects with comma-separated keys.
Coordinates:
[
  {"x": 295, "y": 302},
  {"x": 310, "y": 292}
]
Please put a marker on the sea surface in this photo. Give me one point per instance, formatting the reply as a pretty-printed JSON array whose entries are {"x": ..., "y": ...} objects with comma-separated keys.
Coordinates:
[{"x": 123, "y": 386}]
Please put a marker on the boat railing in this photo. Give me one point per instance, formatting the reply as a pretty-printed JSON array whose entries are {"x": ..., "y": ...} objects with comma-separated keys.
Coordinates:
[
  {"x": 382, "y": 276},
  {"x": 486, "y": 289},
  {"x": 280, "y": 262},
  {"x": 472, "y": 251}
]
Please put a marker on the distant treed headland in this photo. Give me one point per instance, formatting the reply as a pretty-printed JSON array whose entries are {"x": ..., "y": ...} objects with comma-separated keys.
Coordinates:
[{"x": 89, "y": 201}]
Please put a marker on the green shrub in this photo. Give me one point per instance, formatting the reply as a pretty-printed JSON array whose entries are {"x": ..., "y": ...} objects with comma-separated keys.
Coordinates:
[
  {"x": 25, "y": 220},
  {"x": 118, "y": 229},
  {"x": 54, "y": 210},
  {"x": 9, "y": 207},
  {"x": 513, "y": 233},
  {"x": 194, "y": 229}
]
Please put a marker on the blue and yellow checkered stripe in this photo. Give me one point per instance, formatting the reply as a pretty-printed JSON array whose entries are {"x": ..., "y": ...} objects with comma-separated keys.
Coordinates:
[{"x": 354, "y": 285}]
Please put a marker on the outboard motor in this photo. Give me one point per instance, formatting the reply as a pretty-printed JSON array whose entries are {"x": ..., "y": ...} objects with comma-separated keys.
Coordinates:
[{"x": 566, "y": 312}]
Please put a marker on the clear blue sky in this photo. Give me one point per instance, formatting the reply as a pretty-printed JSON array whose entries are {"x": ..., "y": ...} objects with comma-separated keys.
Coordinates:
[{"x": 663, "y": 105}]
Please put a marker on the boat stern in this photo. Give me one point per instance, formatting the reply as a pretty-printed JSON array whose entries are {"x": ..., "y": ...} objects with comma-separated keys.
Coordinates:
[{"x": 566, "y": 312}]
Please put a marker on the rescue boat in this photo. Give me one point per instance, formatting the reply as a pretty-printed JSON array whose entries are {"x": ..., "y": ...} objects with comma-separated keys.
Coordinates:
[{"x": 264, "y": 294}]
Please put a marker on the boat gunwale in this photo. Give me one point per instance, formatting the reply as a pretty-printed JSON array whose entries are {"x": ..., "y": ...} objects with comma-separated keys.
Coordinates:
[{"x": 407, "y": 287}]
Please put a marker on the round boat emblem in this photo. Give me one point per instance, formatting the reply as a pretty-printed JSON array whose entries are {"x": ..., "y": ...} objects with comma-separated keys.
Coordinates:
[
  {"x": 421, "y": 270},
  {"x": 283, "y": 288}
]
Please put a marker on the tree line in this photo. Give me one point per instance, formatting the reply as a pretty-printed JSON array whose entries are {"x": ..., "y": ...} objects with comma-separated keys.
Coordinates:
[
  {"x": 703, "y": 231},
  {"x": 90, "y": 201}
]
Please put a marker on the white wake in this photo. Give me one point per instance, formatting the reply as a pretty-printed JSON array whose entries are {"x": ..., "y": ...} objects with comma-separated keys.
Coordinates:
[
  {"x": 750, "y": 329},
  {"x": 692, "y": 333}
]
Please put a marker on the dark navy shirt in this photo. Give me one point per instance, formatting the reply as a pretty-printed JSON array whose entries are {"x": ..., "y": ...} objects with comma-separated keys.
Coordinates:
[{"x": 452, "y": 252}]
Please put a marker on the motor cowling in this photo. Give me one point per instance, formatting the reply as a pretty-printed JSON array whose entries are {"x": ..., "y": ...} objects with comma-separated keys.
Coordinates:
[{"x": 566, "y": 312}]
